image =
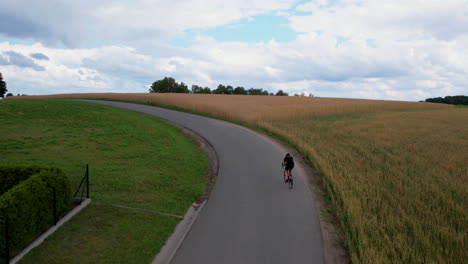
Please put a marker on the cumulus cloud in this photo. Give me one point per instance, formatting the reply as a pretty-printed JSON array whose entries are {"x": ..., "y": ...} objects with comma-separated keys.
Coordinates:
[
  {"x": 39, "y": 56},
  {"x": 411, "y": 71},
  {"x": 24, "y": 75},
  {"x": 73, "y": 23},
  {"x": 396, "y": 20},
  {"x": 13, "y": 25},
  {"x": 19, "y": 60},
  {"x": 403, "y": 50}
]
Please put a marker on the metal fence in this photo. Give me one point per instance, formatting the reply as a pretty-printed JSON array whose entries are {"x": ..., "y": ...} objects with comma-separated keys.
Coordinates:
[{"x": 84, "y": 185}]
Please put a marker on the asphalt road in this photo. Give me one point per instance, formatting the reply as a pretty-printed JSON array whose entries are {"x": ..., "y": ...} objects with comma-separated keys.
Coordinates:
[{"x": 251, "y": 215}]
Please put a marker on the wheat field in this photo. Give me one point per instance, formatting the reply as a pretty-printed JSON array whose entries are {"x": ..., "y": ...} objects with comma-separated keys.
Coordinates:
[
  {"x": 253, "y": 109},
  {"x": 398, "y": 180},
  {"x": 396, "y": 172}
]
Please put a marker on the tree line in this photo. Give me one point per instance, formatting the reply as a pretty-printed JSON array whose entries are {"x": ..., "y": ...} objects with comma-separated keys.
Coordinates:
[
  {"x": 169, "y": 85},
  {"x": 3, "y": 87},
  {"x": 455, "y": 100}
]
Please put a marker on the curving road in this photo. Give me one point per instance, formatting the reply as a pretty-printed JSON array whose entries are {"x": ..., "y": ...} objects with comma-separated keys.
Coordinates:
[{"x": 251, "y": 215}]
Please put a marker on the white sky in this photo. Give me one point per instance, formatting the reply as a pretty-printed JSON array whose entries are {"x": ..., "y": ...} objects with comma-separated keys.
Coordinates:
[{"x": 395, "y": 49}]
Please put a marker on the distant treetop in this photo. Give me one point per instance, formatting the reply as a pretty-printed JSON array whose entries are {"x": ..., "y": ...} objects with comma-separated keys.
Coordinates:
[
  {"x": 3, "y": 86},
  {"x": 169, "y": 85},
  {"x": 455, "y": 100}
]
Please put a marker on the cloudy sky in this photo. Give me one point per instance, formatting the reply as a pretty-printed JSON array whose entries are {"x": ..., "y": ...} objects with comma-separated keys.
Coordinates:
[{"x": 374, "y": 49}]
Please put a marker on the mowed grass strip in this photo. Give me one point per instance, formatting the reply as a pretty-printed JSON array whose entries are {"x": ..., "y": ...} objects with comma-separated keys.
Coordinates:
[
  {"x": 396, "y": 172},
  {"x": 135, "y": 160}
]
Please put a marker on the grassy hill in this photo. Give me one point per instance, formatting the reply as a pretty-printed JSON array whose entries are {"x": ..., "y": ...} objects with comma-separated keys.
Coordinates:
[
  {"x": 132, "y": 163},
  {"x": 396, "y": 173}
]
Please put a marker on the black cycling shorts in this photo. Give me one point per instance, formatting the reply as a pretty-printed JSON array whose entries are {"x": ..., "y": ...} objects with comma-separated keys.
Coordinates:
[{"x": 289, "y": 167}]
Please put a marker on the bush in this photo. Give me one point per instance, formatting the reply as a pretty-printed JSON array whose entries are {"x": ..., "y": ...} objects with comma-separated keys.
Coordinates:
[
  {"x": 29, "y": 205},
  {"x": 11, "y": 176}
]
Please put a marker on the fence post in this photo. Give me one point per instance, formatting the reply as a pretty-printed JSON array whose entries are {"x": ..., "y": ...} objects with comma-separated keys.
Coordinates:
[
  {"x": 87, "y": 181},
  {"x": 7, "y": 240},
  {"x": 55, "y": 206}
]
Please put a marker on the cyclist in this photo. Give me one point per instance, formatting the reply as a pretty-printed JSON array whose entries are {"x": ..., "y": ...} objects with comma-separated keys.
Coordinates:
[{"x": 288, "y": 165}]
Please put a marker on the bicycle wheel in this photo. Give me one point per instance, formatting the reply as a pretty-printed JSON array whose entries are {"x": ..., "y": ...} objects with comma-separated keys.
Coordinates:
[{"x": 290, "y": 182}]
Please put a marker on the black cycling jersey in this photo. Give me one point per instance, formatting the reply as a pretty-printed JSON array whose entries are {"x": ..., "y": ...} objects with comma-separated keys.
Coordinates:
[{"x": 289, "y": 161}]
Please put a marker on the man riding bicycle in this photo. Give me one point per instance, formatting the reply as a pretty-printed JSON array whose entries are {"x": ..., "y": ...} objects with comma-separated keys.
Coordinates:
[{"x": 288, "y": 165}]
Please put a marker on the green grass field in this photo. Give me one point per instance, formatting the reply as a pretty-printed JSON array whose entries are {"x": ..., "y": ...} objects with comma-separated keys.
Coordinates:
[
  {"x": 135, "y": 160},
  {"x": 102, "y": 234}
]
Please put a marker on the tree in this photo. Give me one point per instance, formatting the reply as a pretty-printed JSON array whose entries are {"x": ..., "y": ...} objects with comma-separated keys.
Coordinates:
[
  {"x": 165, "y": 85},
  {"x": 181, "y": 88},
  {"x": 229, "y": 89},
  {"x": 205, "y": 90},
  {"x": 9, "y": 94},
  {"x": 435, "y": 100},
  {"x": 196, "y": 88},
  {"x": 168, "y": 85},
  {"x": 239, "y": 90},
  {"x": 456, "y": 100},
  {"x": 281, "y": 93},
  {"x": 3, "y": 86},
  {"x": 253, "y": 91},
  {"x": 220, "y": 90},
  {"x": 200, "y": 90}
]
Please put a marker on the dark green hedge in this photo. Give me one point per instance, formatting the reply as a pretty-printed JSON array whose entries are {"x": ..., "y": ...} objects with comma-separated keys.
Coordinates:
[
  {"x": 29, "y": 206},
  {"x": 11, "y": 176}
]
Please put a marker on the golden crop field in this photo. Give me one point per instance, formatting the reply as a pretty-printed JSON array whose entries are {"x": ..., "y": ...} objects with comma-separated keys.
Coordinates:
[
  {"x": 253, "y": 109},
  {"x": 396, "y": 172},
  {"x": 399, "y": 180}
]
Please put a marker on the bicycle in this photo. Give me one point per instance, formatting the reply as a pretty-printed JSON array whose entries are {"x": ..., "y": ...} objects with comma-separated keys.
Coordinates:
[
  {"x": 288, "y": 165},
  {"x": 289, "y": 180}
]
